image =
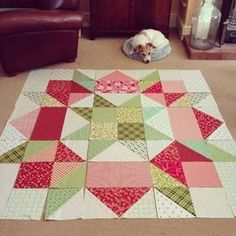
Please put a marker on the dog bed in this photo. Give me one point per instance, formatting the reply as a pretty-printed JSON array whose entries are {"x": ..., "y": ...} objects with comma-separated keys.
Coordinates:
[{"x": 156, "y": 56}]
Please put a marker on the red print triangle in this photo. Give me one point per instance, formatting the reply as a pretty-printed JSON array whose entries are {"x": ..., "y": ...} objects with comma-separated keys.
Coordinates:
[
  {"x": 156, "y": 88},
  {"x": 188, "y": 155},
  {"x": 119, "y": 200},
  {"x": 60, "y": 90},
  {"x": 64, "y": 154},
  {"x": 207, "y": 123},
  {"x": 172, "y": 97},
  {"x": 169, "y": 161},
  {"x": 77, "y": 88}
]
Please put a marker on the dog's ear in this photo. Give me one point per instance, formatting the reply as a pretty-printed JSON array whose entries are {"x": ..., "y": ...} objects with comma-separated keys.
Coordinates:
[
  {"x": 137, "y": 49},
  {"x": 151, "y": 45}
]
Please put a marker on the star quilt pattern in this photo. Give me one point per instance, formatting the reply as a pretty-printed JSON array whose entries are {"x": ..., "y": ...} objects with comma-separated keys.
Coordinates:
[{"x": 84, "y": 144}]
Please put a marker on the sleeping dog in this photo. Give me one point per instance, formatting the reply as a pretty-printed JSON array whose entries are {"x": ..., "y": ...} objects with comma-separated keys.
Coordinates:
[{"x": 147, "y": 42}]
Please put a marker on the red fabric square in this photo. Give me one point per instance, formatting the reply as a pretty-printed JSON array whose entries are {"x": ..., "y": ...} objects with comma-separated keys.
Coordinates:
[
  {"x": 65, "y": 154},
  {"x": 34, "y": 175},
  {"x": 172, "y": 97},
  {"x": 60, "y": 90},
  {"x": 169, "y": 161},
  {"x": 49, "y": 124}
]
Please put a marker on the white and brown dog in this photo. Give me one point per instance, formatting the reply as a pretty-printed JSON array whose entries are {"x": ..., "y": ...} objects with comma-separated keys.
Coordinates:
[{"x": 147, "y": 42}]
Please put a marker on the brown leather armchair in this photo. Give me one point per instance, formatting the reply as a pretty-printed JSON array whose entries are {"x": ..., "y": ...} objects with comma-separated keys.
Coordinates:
[{"x": 38, "y": 33}]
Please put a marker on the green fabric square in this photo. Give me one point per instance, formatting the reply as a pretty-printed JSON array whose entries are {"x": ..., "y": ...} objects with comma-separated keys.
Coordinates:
[
  {"x": 131, "y": 131},
  {"x": 101, "y": 102},
  {"x": 75, "y": 179},
  {"x": 133, "y": 102},
  {"x": 181, "y": 196},
  {"x": 57, "y": 197},
  {"x": 84, "y": 80},
  {"x": 80, "y": 77},
  {"x": 153, "y": 134},
  {"x": 85, "y": 112},
  {"x": 129, "y": 115},
  {"x": 81, "y": 134},
  {"x": 149, "y": 80},
  {"x": 161, "y": 179},
  {"x": 40, "y": 150},
  {"x": 97, "y": 146},
  {"x": 103, "y": 131},
  {"x": 106, "y": 115}
]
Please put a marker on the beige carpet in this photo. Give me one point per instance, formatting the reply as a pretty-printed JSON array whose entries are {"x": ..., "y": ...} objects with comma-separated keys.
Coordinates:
[{"x": 105, "y": 53}]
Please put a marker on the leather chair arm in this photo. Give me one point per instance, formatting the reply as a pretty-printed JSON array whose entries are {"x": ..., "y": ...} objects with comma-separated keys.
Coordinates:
[
  {"x": 23, "y": 21},
  {"x": 41, "y": 4}
]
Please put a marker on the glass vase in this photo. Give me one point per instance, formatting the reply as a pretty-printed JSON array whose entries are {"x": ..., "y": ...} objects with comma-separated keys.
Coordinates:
[{"x": 205, "y": 25}]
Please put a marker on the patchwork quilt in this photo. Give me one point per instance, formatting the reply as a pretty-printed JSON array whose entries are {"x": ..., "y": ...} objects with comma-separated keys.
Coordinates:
[{"x": 116, "y": 144}]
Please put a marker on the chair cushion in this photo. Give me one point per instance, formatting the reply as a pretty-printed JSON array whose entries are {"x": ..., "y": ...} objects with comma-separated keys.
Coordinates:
[
  {"x": 21, "y": 21},
  {"x": 156, "y": 56}
]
